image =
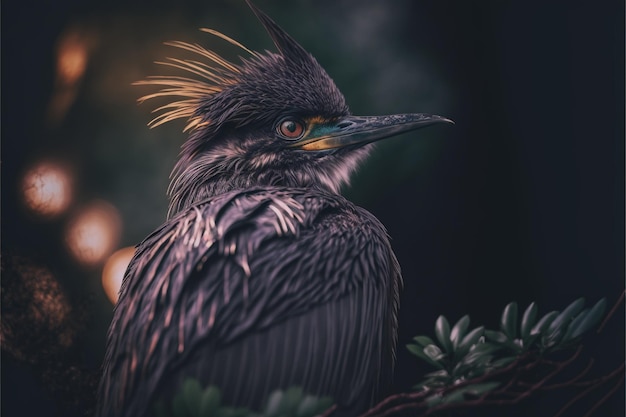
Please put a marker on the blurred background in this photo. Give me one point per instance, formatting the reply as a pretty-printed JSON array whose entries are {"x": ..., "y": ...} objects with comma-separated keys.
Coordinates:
[{"x": 521, "y": 200}]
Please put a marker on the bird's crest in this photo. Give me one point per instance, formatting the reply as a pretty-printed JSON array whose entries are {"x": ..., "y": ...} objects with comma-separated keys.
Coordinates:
[
  {"x": 209, "y": 94},
  {"x": 214, "y": 76}
]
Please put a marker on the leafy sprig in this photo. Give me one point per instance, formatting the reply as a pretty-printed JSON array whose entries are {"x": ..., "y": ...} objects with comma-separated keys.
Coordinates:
[{"x": 461, "y": 354}]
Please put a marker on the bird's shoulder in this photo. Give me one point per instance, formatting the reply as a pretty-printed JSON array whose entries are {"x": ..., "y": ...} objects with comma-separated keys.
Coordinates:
[
  {"x": 246, "y": 243},
  {"x": 255, "y": 215},
  {"x": 241, "y": 263}
]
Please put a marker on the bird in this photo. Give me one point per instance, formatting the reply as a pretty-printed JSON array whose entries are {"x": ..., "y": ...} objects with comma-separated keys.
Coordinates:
[{"x": 263, "y": 276}]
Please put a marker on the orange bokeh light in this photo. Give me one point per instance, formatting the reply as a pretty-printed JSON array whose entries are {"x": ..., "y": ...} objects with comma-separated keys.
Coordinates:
[
  {"x": 46, "y": 189},
  {"x": 72, "y": 55},
  {"x": 93, "y": 233},
  {"x": 114, "y": 270},
  {"x": 72, "y": 62}
]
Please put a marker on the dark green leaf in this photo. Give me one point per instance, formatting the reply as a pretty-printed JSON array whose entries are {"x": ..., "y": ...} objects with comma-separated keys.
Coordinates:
[
  {"x": 502, "y": 340},
  {"x": 476, "y": 357},
  {"x": 442, "y": 331},
  {"x": 458, "y": 330},
  {"x": 543, "y": 323},
  {"x": 433, "y": 352},
  {"x": 414, "y": 349},
  {"x": 454, "y": 397},
  {"x": 311, "y": 406},
  {"x": 485, "y": 347},
  {"x": 530, "y": 341},
  {"x": 563, "y": 319},
  {"x": 423, "y": 340},
  {"x": 528, "y": 320},
  {"x": 179, "y": 408},
  {"x": 508, "y": 323},
  {"x": 479, "y": 355},
  {"x": 591, "y": 319},
  {"x": 574, "y": 324},
  {"x": 502, "y": 362},
  {"x": 442, "y": 374},
  {"x": 290, "y": 401},
  {"x": 210, "y": 401},
  {"x": 192, "y": 393},
  {"x": 433, "y": 400},
  {"x": 234, "y": 412},
  {"x": 555, "y": 332},
  {"x": 432, "y": 383},
  {"x": 470, "y": 339},
  {"x": 479, "y": 389},
  {"x": 419, "y": 352},
  {"x": 495, "y": 336}
]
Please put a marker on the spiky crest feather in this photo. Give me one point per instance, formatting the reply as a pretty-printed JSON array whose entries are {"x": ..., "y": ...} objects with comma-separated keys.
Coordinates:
[
  {"x": 193, "y": 91},
  {"x": 214, "y": 97}
]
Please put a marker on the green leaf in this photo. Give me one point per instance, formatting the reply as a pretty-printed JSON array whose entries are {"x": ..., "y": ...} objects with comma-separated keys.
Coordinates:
[
  {"x": 508, "y": 323},
  {"x": 433, "y": 352},
  {"x": 543, "y": 323},
  {"x": 458, "y": 330},
  {"x": 432, "y": 383},
  {"x": 423, "y": 340},
  {"x": 179, "y": 408},
  {"x": 442, "y": 331},
  {"x": 479, "y": 356},
  {"x": 530, "y": 341},
  {"x": 496, "y": 336},
  {"x": 470, "y": 339},
  {"x": 419, "y": 352},
  {"x": 528, "y": 320},
  {"x": 454, "y": 397},
  {"x": 311, "y": 406},
  {"x": 235, "y": 412},
  {"x": 414, "y": 349},
  {"x": 440, "y": 374},
  {"x": 502, "y": 340},
  {"x": 210, "y": 401},
  {"x": 555, "y": 332},
  {"x": 485, "y": 348},
  {"x": 591, "y": 319},
  {"x": 565, "y": 317},
  {"x": 433, "y": 400},
  {"x": 307, "y": 407},
  {"x": 291, "y": 400},
  {"x": 502, "y": 362},
  {"x": 479, "y": 389},
  {"x": 192, "y": 393}
]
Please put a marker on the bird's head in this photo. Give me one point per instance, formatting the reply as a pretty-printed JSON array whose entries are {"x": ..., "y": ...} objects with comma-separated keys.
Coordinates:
[{"x": 272, "y": 119}]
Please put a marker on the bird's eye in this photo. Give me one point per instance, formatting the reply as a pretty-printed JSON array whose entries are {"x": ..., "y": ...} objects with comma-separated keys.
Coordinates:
[{"x": 291, "y": 128}]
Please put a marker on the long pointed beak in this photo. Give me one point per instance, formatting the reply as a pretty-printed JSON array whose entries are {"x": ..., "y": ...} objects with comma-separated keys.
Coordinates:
[{"x": 360, "y": 130}]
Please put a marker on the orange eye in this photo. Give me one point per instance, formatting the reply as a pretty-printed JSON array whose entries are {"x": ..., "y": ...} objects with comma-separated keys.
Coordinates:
[{"x": 291, "y": 129}]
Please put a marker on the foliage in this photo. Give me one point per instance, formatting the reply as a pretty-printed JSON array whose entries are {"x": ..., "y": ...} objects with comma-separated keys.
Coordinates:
[
  {"x": 462, "y": 354},
  {"x": 193, "y": 401}
]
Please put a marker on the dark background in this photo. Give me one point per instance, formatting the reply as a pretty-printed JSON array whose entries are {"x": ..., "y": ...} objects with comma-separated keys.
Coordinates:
[{"x": 521, "y": 200}]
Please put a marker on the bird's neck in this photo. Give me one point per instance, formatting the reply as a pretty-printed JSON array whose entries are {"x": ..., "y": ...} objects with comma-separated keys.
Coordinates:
[
  {"x": 200, "y": 180},
  {"x": 207, "y": 174}
]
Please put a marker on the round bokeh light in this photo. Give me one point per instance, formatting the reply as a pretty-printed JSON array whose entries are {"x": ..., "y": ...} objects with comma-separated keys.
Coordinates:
[
  {"x": 46, "y": 189},
  {"x": 93, "y": 233},
  {"x": 114, "y": 270}
]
